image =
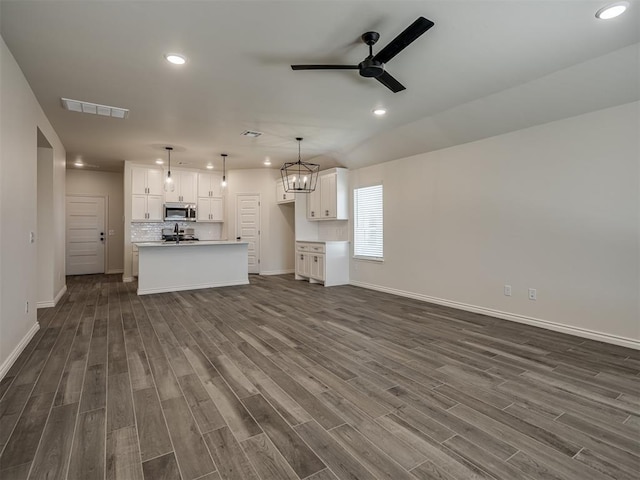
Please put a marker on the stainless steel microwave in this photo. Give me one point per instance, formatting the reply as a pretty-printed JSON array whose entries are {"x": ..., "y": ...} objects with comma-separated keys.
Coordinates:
[{"x": 179, "y": 212}]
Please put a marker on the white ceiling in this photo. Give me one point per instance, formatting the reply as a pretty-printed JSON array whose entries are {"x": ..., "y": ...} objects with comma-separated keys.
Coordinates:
[{"x": 485, "y": 68}]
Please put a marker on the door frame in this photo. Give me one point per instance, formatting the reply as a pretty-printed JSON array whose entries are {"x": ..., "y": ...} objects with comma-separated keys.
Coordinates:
[
  {"x": 237, "y": 196},
  {"x": 106, "y": 224}
]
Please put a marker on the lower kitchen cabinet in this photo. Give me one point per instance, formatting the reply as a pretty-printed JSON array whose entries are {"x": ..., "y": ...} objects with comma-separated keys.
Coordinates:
[
  {"x": 134, "y": 260},
  {"x": 323, "y": 262}
]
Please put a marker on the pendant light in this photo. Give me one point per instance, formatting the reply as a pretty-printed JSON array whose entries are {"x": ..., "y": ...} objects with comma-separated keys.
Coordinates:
[
  {"x": 169, "y": 186},
  {"x": 299, "y": 177},
  {"x": 224, "y": 169}
]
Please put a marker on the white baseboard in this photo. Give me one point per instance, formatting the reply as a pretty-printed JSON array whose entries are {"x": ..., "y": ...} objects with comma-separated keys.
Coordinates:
[
  {"x": 536, "y": 322},
  {"x": 127, "y": 279},
  {"x": 54, "y": 302},
  {"x": 277, "y": 272},
  {"x": 115, "y": 270},
  {"x": 179, "y": 288},
  {"x": 8, "y": 363}
]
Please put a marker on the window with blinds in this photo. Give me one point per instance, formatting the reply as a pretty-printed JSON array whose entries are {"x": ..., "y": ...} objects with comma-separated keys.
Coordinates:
[{"x": 367, "y": 225}]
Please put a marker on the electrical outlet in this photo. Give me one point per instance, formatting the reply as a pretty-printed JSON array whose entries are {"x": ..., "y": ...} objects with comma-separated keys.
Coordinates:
[
  {"x": 533, "y": 294},
  {"x": 507, "y": 290},
  {"x": 32, "y": 237},
  {"x": 26, "y": 307}
]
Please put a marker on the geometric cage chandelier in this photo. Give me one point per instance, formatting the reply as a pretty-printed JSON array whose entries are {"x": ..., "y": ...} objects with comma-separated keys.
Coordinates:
[{"x": 299, "y": 177}]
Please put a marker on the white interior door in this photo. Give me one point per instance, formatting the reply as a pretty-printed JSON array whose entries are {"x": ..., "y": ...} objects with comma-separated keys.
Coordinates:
[
  {"x": 248, "y": 227},
  {"x": 85, "y": 235}
]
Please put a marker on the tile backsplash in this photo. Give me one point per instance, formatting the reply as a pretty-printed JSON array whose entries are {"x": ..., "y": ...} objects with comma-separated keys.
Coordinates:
[{"x": 152, "y": 231}]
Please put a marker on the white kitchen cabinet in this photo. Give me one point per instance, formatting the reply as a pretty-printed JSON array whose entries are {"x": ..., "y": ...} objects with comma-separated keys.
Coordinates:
[
  {"x": 210, "y": 210},
  {"x": 147, "y": 181},
  {"x": 302, "y": 264},
  {"x": 185, "y": 187},
  {"x": 316, "y": 266},
  {"x": 330, "y": 199},
  {"x": 134, "y": 260},
  {"x": 323, "y": 262},
  {"x": 147, "y": 208},
  {"x": 209, "y": 185},
  {"x": 282, "y": 196}
]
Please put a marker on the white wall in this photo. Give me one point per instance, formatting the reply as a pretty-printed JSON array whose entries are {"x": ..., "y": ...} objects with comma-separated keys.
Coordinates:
[
  {"x": 109, "y": 185},
  {"x": 44, "y": 211},
  {"x": 20, "y": 118},
  {"x": 553, "y": 207},
  {"x": 277, "y": 221}
]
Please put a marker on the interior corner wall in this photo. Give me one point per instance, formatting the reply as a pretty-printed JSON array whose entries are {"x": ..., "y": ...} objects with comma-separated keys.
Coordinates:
[
  {"x": 20, "y": 118},
  {"x": 111, "y": 186},
  {"x": 277, "y": 239},
  {"x": 554, "y": 207},
  {"x": 44, "y": 212}
]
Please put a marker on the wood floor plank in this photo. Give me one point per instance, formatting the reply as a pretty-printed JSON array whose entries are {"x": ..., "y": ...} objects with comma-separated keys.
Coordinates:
[
  {"x": 164, "y": 467},
  {"x": 204, "y": 411},
  {"x": 342, "y": 463},
  {"x": 123, "y": 455},
  {"x": 88, "y": 452},
  {"x": 192, "y": 455},
  {"x": 267, "y": 460},
  {"x": 94, "y": 391},
  {"x": 23, "y": 442},
  {"x": 119, "y": 402},
  {"x": 228, "y": 455},
  {"x": 51, "y": 458},
  {"x": 301, "y": 458},
  {"x": 152, "y": 430},
  {"x": 10, "y": 409}
]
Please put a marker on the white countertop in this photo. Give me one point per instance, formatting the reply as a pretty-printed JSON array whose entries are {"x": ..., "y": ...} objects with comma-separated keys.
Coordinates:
[
  {"x": 322, "y": 241},
  {"x": 190, "y": 243}
]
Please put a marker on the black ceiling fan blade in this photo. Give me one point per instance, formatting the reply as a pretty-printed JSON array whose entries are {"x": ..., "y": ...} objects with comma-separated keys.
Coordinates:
[
  {"x": 391, "y": 83},
  {"x": 324, "y": 67},
  {"x": 402, "y": 41}
]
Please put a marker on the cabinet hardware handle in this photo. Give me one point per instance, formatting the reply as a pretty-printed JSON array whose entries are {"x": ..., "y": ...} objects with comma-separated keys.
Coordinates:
[
  {"x": 313, "y": 214},
  {"x": 315, "y": 259},
  {"x": 326, "y": 212},
  {"x": 301, "y": 257}
]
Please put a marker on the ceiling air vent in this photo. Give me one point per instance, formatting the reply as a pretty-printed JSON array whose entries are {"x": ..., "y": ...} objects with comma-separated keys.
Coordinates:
[
  {"x": 251, "y": 133},
  {"x": 94, "y": 108}
]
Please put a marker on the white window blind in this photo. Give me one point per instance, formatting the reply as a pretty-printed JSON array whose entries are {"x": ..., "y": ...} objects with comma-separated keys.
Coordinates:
[{"x": 367, "y": 229}]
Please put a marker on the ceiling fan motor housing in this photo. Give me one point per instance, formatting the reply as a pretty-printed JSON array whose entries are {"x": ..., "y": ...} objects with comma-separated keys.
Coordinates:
[{"x": 371, "y": 68}]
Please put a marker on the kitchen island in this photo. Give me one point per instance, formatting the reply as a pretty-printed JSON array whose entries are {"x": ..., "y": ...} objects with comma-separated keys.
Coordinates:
[{"x": 191, "y": 265}]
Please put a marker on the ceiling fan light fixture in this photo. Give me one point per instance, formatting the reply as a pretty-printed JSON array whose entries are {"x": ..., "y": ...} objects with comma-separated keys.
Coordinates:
[
  {"x": 299, "y": 177},
  {"x": 612, "y": 11},
  {"x": 175, "y": 58}
]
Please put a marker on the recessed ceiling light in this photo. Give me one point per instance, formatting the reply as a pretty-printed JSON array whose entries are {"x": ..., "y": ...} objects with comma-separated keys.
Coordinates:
[
  {"x": 210, "y": 167},
  {"x": 78, "y": 163},
  {"x": 267, "y": 161},
  {"x": 612, "y": 11},
  {"x": 175, "y": 58},
  {"x": 379, "y": 111},
  {"x": 159, "y": 161}
]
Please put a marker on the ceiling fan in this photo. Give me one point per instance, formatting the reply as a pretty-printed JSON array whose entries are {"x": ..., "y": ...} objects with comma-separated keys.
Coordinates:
[{"x": 373, "y": 65}]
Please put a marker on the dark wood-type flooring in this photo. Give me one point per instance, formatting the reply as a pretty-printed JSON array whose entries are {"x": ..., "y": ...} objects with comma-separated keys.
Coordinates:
[{"x": 285, "y": 380}]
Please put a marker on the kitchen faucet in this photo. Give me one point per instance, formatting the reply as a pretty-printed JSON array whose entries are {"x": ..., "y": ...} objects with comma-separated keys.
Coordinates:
[{"x": 176, "y": 230}]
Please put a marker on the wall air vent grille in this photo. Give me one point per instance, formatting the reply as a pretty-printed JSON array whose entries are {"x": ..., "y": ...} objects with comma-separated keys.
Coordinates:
[{"x": 94, "y": 108}]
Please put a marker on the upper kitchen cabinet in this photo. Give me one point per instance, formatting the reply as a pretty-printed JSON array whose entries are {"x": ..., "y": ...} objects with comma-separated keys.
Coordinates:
[
  {"x": 281, "y": 195},
  {"x": 186, "y": 187},
  {"x": 209, "y": 185},
  {"x": 330, "y": 199},
  {"x": 146, "y": 181},
  {"x": 147, "y": 208}
]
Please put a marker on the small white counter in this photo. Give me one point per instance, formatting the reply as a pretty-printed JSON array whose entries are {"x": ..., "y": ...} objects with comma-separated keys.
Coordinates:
[{"x": 189, "y": 265}]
